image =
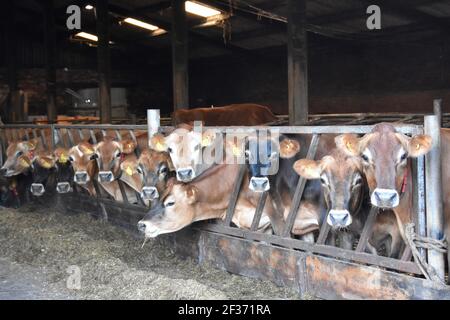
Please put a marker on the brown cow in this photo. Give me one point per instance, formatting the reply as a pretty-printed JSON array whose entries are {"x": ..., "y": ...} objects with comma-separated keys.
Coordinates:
[
  {"x": 245, "y": 114},
  {"x": 82, "y": 158},
  {"x": 384, "y": 153},
  {"x": 186, "y": 149},
  {"x": 19, "y": 156},
  {"x": 109, "y": 154},
  {"x": 206, "y": 197}
]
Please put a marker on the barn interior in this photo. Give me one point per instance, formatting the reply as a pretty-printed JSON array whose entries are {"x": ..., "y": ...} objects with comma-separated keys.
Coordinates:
[{"x": 221, "y": 52}]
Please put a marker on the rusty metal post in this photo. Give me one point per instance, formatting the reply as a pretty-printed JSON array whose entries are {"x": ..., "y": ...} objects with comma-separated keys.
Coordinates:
[
  {"x": 153, "y": 121},
  {"x": 433, "y": 180}
]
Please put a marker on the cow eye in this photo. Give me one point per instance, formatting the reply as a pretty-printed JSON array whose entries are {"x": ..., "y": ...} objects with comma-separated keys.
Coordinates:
[
  {"x": 364, "y": 157},
  {"x": 197, "y": 147},
  {"x": 163, "y": 170},
  {"x": 169, "y": 150},
  {"x": 118, "y": 154},
  {"x": 324, "y": 180},
  {"x": 169, "y": 204},
  {"x": 139, "y": 170},
  {"x": 19, "y": 153},
  {"x": 357, "y": 181},
  {"x": 93, "y": 157},
  {"x": 403, "y": 157},
  {"x": 71, "y": 159}
]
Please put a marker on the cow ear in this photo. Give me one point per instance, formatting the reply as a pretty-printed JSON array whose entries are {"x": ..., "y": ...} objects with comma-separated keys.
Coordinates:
[
  {"x": 86, "y": 148},
  {"x": 308, "y": 169},
  {"x": 28, "y": 145},
  {"x": 289, "y": 148},
  {"x": 128, "y": 146},
  {"x": 158, "y": 142},
  {"x": 191, "y": 194},
  {"x": 349, "y": 143},
  {"x": 419, "y": 145},
  {"x": 24, "y": 161},
  {"x": 46, "y": 162}
]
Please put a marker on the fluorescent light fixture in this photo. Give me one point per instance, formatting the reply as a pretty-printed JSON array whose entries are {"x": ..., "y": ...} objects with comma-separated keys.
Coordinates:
[
  {"x": 87, "y": 36},
  {"x": 89, "y": 7},
  {"x": 141, "y": 24},
  {"x": 200, "y": 9}
]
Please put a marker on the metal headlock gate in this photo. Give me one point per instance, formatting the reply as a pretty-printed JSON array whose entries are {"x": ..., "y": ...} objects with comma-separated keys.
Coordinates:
[{"x": 313, "y": 268}]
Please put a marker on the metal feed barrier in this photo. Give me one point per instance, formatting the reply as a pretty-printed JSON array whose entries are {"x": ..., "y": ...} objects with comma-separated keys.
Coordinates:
[{"x": 313, "y": 268}]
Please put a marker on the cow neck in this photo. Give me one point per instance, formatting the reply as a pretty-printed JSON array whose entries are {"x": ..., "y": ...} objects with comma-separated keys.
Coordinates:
[{"x": 210, "y": 171}]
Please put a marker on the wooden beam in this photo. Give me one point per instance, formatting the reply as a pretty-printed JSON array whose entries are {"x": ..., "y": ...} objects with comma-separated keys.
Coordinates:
[
  {"x": 12, "y": 103},
  {"x": 297, "y": 62},
  {"x": 103, "y": 61},
  {"x": 180, "y": 56},
  {"x": 50, "y": 58}
]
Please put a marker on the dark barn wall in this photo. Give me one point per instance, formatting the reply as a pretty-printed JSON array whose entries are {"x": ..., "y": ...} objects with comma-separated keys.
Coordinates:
[{"x": 344, "y": 76}]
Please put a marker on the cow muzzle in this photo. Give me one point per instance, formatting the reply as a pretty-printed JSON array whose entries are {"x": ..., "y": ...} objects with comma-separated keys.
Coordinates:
[
  {"x": 148, "y": 229},
  {"x": 185, "y": 174},
  {"x": 385, "y": 198},
  {"x": 105, "y": 176},
  {"x": 37, "y": 189},
  {"x": 63, "y": 187},
  {"x": 149, "y": 193},
  {"x": 81, "y": 177},
  {"x": 7, "y": 172},
  {"x": 259, "y": 184},
  {"x": 339, "y": 218}
]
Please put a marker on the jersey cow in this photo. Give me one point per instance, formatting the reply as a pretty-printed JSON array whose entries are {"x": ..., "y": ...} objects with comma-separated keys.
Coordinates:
[
  {"x": 384, "y": 154},
  {"x": 184, "y": 203},
  {"x": 82, "y": 159},
  {"x": 231, "y": 115}
]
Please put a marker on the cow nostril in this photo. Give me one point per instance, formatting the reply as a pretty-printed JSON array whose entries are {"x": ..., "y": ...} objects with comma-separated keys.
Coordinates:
[{"x": 141, "y": 226}]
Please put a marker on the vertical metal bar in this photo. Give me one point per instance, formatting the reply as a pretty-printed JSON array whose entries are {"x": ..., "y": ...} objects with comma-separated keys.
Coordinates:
[
  {"x": 324, "y": 231},
  {"x": 234, "y": 195},
  {"x": 153, "y": 121},
  {"x": 58, "y": 132},
  {"x": 70, "y": 136},
  {"x": 122, "y": 191},
  {"x": 300, "y": 188},
  {"x": 93, "y": 138},
  {"x": 53, "y": 136},
  {"x": 367, "y": 230},
  {"x": 418, "y": 181},
  {"x": 81, "y": 134},
  {"x": 433, "y": 180},
  {"x": 133, "y": 137},
  {"x": 258, "y": 211},
  {"x": 34, "y": 134}
]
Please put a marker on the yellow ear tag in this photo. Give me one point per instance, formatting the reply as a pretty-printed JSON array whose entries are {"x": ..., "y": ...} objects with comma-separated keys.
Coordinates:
[
  {"x": 63, "y": 158},
  {"x": 236, "y": 151},
  {"x": 129, "y": 171},
  {"x": 418, "y": 146},
  {"x": 24, "y": 163},
  {"x": 159, "y": 146},
  {"x": 206, "y": 141},
  {"x": 349, "y": 146}
]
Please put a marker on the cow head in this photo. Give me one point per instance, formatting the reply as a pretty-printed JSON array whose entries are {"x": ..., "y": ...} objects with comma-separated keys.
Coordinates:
[
  {"x": 154, "y": 168},
  {"x": 261, "y": 156},
  {"x": 185, "y": 147},
  {"x": 64, "y": 170},
  {"x": 109, "y": 154},
  {"x": 42, "y": 166},
  {"x": 82, "y": 158},
  {"x": 19, "y": 156},
  {"x": 174, "y": 211},
  {"x": 384, "y": 153},
  {"x": 342, "y": 184}
]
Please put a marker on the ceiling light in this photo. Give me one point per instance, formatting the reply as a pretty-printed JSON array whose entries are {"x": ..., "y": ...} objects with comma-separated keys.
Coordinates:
[
  {"x": 89, "y": 7},
  {"x": 141, "y": 24},
  {"x": 87, "y": 36},
  {"x": 200, "y": 9}
]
